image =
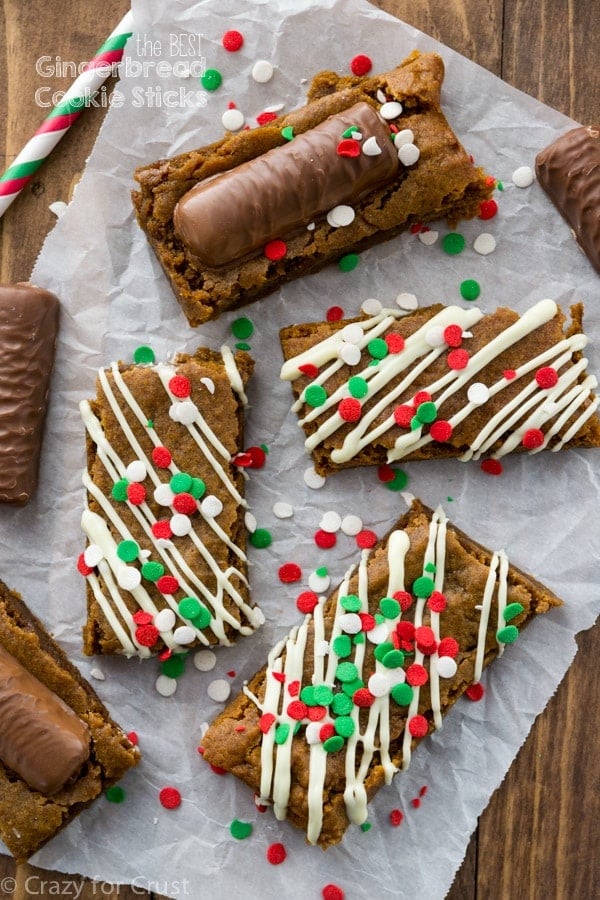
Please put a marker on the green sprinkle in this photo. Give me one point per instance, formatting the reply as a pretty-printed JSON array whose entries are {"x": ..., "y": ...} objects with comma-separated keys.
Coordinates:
[
  {"x": 351, "y": 603},
  {"x": 144, "y": 355},
  {"x": 128, "y": 551},
  {"x": 150, "y": 423},
  {"x": 389, "y": 607},
  {"x": 152, "y": 570},
  {"x": 427, "y": 412},
  {"x": 366, "y": 826},
  {"x": 261, "y": 538},
  {"x": 211, "y": 80},
  {"x": 242, "y": 345},
  {"x": 342, "y": 645},
  {"x": 315, "y": 395},
  {"x": 346, "y": 672},
  {"x": 453, "y": 243},
  {"x": 288, "y": 132},
  {"x": 393, "y": 660},
  {"x": 115, "y": 794},
  {"x": 281, "y": 733},
  {"x": 322, "y": 571},
  {"x": 119, "y": 490},
  {"x": 348, "y": 262},
  {"x": 507, "y": 635},
  {"x": 344, "y": 726},
  {"x": 197, "y": 488},
  {"x": 353, "y": 129},
  {"x": 203, "y": 618},
  {"x": 379, "y": 618},
  {"x": 264, "y": 447},
  {"x": 174, "y": 666},
  {"x": 297, "y": 727},
  {"x": 323, "y": 695},
  {"x": 333, "y": 744},
  {"x": 381, "y": 649},
  {"x": 398, "y": 482},
  {"x": 430, "y": 567},
  {"x": 450, "y": 499},
  {"x": 242, "y": 328},
  {"x": 189, "y": 608},
  {"x": 307, "y": 695},
  {"x": 180, "y": 483},
  {"x": 240, "y": 830},
  {"x": 513, "y": 609},
  {"x": 359, "y": 638},
  {"x": 402, "y": 694},
  {"x": 423, "y": 587},
  {"x": 358, "y": 387},
  {"x": 351, "y": 687},
  {"x": 341, "y": 705},
  {"x": 415, "y": 423},
  {"x": 500, "y": 185},
  {"x": 378, "y": 348},
  {"x": 470, "y": 289}
]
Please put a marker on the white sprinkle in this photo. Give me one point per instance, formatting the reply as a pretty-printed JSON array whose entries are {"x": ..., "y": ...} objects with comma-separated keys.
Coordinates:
[
  {"x": 340, "y": 216},
  {"x": 351, "y": 525},
  {"x": 136, "y": 470},
  {"x": 208, "y": 384},
  {"x": 371, "y": 307},
  {"x": 479, "y": 606},
  {"x": 164, "y": 620},
  {"x": 185, "y": 412},
  {"x": 219, "y": 690},
  {"x": 478, "y": 393},
  {"x": 356, "y": 135},
  {"x": 205, "y": 660},
  {"x": 250, "y": 522},
  {"x": 406, "y": 136},
  {"x": 407, "y": 301},
  {"x": 428, "y": 237},
  {"x": 318, "y": 583},
  {"x": 446, "y": 667},
  {"x": 390, "y": 110},
  {"x": 381, "y": 96},
  {"x": 92, "y": 555},
  {"x": 467, "y": 334},
  {"x": 379, "y": 634},
  {"x": 322, "y": 648},
  {"x": 211, "y": 506},
  {"x": 204, "y": 726},
  {"x": 350, "y": 354},
  {"x": 330, "y": 521},
  {"x": 274, "y": 107},
  {"x": 310, "y": 226},
  {"x": 58, "y": 208},
  {"x": 523, "y": 176},
  {"x": 350, "y": 623},
  {"x": 434, "y": 336},
  {"x": 378, "y": 684},
  {"x": 371, "y": 147},
  {"x": 283, "y": 510},
  {"x": 484, "y": 243},
  {"x": 352, "y": 333},
  {"x": 128, "y": 578},
  {"x": 550, "y": 407},
  {"x": 180, "y": 524},
  {"x": 144, "y": 554},
  {"x": 185, "y": 634},
  {"x": 165, "y": 686},
  {"x": 312, "y": 479},
  {"x": 98, "y": 674},
  {"x": 163, "y": 495},
  {"x": 262, "y": 71},
  {"x": 233, "y": 119},
  {"x": 408, "y": 154},
  {"x": 396, "y": 676},
  {"x": 313, "y": 730}
]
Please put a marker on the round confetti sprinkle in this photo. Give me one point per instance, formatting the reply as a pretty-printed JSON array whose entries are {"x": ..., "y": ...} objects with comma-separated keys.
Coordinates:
[
  {"x": 371, "y": 307},
  {"x": 453, "y": 243},
  {"x": 184, "y": 635},
  {"x": 232, "y": 41},
  {"x": 211, "y": 507},
  {"x": 408, "y": 154},
  {"x": 275, "y": 250},
  {"x": 307, "y": 601},
  {"x": 350, "y": 409},
  {"x": 426, "y": 412},
  {"x": 475, "y": 691},
  {"x": 240, "y": 830},
  {"x": 331, "y": 521},
  {"x": 458, "y": 359},
  {"x": 360, "y": 65},
  {"x": 378, "y": 348},
  {"x": 144, "y": 355},
  {"x": 448, "y": 646},
  {"x": 340, "y": 216},
  {"x": 315, "y": 395},
  {"x": 289, "y": 573},
  {"x": 162, "y": 529},
  {"x": 242, "y": 328},
  {"x": 180, "y": 482},
  {"x": 233, "y": 120},
  {"x": 348, "y": 262},
  {"x": 136, "y": 470},
  {"x": 283, "y": 510},
  {"x": 93, "y": 554},
  {"x": 513, "y": 609},
  {"x": 276, "y": 854},
  {"x": 533, "y": 438},
  {"x": 351, "y": 525},
  {"x": 333, "y": 744},
  {"x": 189, "y": 608},
  {"x": 395, "y": 342},
  {"x": 358, "y": 387},
  {"x": 128, "y": 578},
  {"x": 82, "y": 566},
  {"x": 396, "y": 817},
  {"x": 312, "y": 479},
  {"x": 185, "y": 503},
  {"x": 325, "y": 539},
  {"x": 136, "y": 493},
  {"x": 366, "y": 539},
  {"x": 546, "y": 377},
  {"x": 262, "y": 71},
  {"x": 508, "y": 634},
  {"x": 165, "y": 686},
  {"x": 185, "y": 412},
  {"x": 180, "y": 386},
  {"x": 402, "y": 694},
  {"x": 346, "y": 672},
  {"x": 452, "y": 335},
  {"x": 446, "y": 667},
  {"x": 261, "y": 538},
  {"x": 205, "y": 660},
  {"x": 403, "y": 416},
  {"x": 352, "y": 333},
  {"x": 180, "y": 524},
  {"x": 402, "y": 137},
  {"x": 161, "y": 457},
  {"x": 115, "y": 794},
  {"x": 441, "y": 431},
  {"x": 391, "y": 109},
  {"x": 418, "y": 726},
  {"x": 523, "y": 176},
  {"x": 164, "y": 620},
  {"x": 478, "y": 393},
  {"x": 265, "y": 117},
  {"x": 407, "y": 301},
  {"x": 348, "y": 148},
  {"x": 169, "y": 797},
  {"x": 334, "y": 314},
  {"x": 428, "y": 237},
  {"x": 147, "y": 635},
  {"x": 350, "y": 623},
  {"x": 491, "y": 466},
  {"x": 211, "y": 80},
  {"x": 378, "y": 685},
  {"x": 174, "y": 666},
  {"x": 487, "y": 209},
  {"x": 484, "y": 244},
  {"x": 350, "y": 354},
  {"x": 416, "y": 675},
  {"x": 470, "y": 289},
  {"x": 437, "y": 602},
  {"x": 219, "y": 690}
]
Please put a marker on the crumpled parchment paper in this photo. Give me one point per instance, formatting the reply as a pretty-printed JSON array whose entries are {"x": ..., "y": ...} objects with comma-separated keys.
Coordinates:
[{"x": 115, "y": 297}]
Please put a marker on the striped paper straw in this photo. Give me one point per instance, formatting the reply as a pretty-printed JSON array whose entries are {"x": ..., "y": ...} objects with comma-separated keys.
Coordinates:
[{"x": 58, "y": 122}]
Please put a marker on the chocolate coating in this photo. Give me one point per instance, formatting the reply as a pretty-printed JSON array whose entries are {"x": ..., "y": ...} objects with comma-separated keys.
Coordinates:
[
  {"x": 569, "y": 172},
  {"x": 233, "y": 214},
  {"x": 28, "y": 329},
  {"x": 41, "y": 738}
]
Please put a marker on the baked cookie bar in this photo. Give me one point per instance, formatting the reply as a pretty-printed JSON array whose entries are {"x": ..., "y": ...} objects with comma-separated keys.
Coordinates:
[
  {"x": 440, "y": 382},
  {"x": 344, "y": 699},
  {"x": 365, "y": 159},
  {"x": 165, "y": 562},
  {"x": 59, "y": 747}
]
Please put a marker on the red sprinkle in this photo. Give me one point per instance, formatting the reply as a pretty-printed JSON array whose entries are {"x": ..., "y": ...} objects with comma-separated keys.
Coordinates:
[
  {"x": 416, "y": 228},
  {"x": 441, "y": 431},
  {"x": 491, "y": 466},
  {"x": 350, "y": 409},
  {"x": 533, "y": 438},
  {"x": 294, "y": 688},
  {"x": 326, "y": 731},
  {"x": 170, "y": 798},
  {"x": 167, "y": 584},
  {"x": 325, "y": 539},
  {"x": 425, "y": 640},
  {"x": 141, "y": 617},
  {"x": 475, "y": 691},
  {"x": 453, "y": 335},
  {"x": 490, "y": 181},
  {"x": 297, "y": 710},
  {"x": 415, "y": 802},
  {"x": 290, "y": 572},
  {"x": 334, "y": 314},
  {"x": 458, "y": 359},
  {"x": 421, "y": 397},
  {"x": 418, "y": 726},
  {"x": 243, "y": 460},
  {"x": 416, "y": 675},
  {"x": 161, "y": 457},
  {"x": 348, "y": 147},
  {"x": 404, "y": 599},
  {"x": 180, "y": 386},
  {"x": 385, "y": 473},
  {"x": 266, "y": 721},
  {"x": 240, "y": 728},
  {"x": 509, "y": 374},
  {"x": 264, "y": 118},
  {"x": 307, "y": 601},
  {"x": 332, "y": 892},
  {"x": 162, "y": 529},
  {"x": 361, "y": 64},
  {"x": 167, "y": 653},
  {"x": 258, "y": 457},
  {"x": 363, "y": 697},
  {"x": 403, "y": 415},
  {"x": 423, "y": 791},
  {"x": 147, "y": 635},
  {"x": 309, "y": 369},
  {"x": 82, "y": 566},
  {"x": 396, "y": 817},
  {"x": 136, "y": 493},
  {"x": 546, "y": 377},
  {"x": 217, "y": 769},
  {"x": 367, "y": 621},
  {"x": 275, "y": 250},
  {"x": 132, "y": 737},
  {"x": 366, "y": 539},
  {"x": 405, "y": 629},
  {"x": 232, "y": 41},
  {"x": 184, "y": 503},
  {"x": 395, "y": 342},
  {"x": 448, "y": 646},
  {"x": 316, "y": 713},
  {"x": 437, "y": 602},
  {"x": 488, "y": 209},
  {"x": 276, "y": 854},
  {"x": 279, "y": 676}
]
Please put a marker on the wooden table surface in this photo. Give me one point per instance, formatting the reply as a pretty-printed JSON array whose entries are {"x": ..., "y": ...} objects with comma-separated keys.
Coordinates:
[{"x": 540, "y": 834}]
